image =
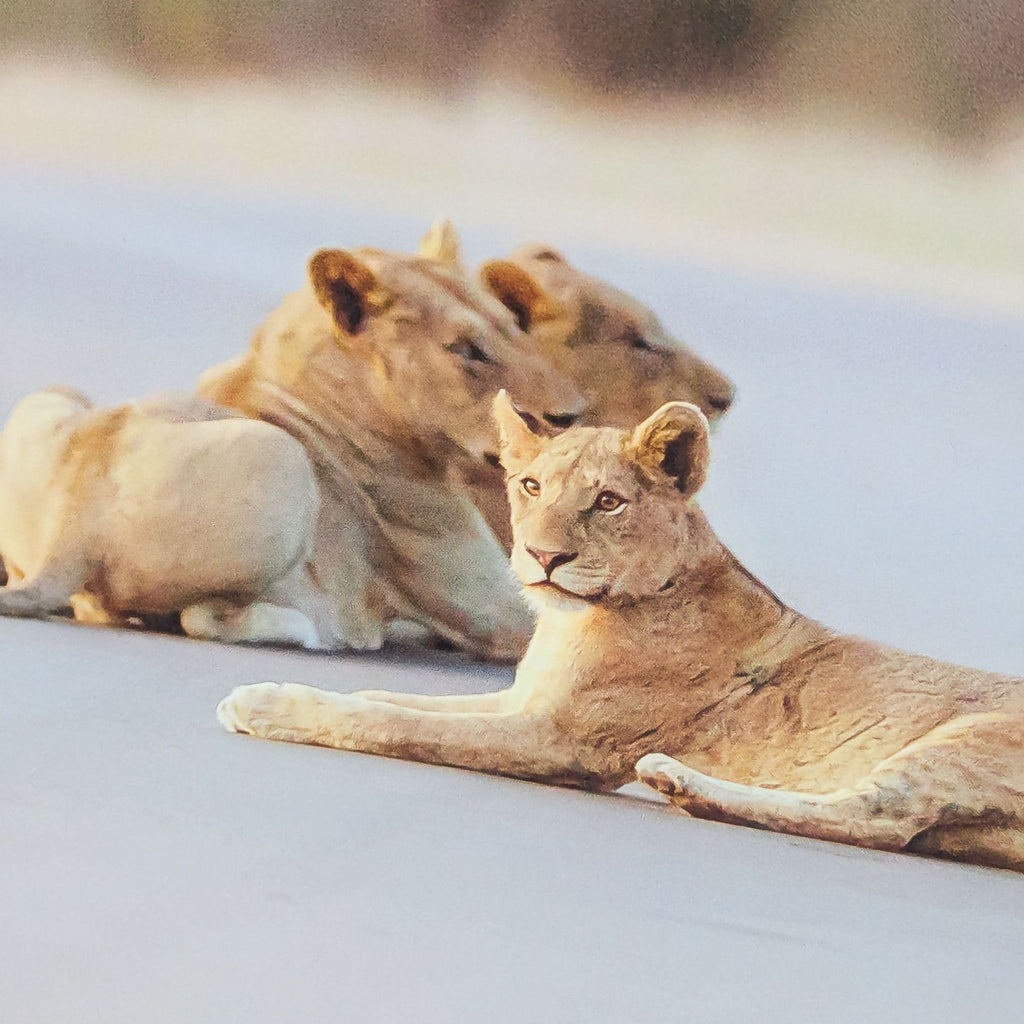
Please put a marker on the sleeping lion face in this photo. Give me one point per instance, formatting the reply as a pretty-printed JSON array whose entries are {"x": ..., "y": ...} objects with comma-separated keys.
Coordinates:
[
  {"x": 433, "y": 348},
  {"x": 613, "y": 347},
  {"x": 598, "y": 512}
]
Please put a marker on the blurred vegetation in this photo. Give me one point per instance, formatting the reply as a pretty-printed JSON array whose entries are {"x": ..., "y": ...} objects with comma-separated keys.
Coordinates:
[{"x": 951, "y": 67}]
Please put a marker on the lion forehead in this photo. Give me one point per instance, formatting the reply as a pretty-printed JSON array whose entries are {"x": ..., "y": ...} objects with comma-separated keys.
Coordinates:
[{"x": 583, "y": 461}]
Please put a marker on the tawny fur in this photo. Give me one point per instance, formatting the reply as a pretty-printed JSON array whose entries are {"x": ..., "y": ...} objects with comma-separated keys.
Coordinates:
[
  {"x": 155, "y": 508},
  {"x": 383, "y": 366},
  {"x": 613, "y": 347},
  {"x": 652, "y": 637}
]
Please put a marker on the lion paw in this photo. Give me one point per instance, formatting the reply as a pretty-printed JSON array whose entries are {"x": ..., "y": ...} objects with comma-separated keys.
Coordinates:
[
  {"x": 290, "y": 712},
  {"x": 270, "y": 710},
  {"x": 256, "y": 623},
  {"x": 665, "y": 774}
]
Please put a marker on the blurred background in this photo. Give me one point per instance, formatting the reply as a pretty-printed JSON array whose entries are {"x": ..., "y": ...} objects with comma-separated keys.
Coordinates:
[
  {"x": 855, "y": 139},
  {"x": 825, "y": 198},
  {"x": 950, "y": 70}
]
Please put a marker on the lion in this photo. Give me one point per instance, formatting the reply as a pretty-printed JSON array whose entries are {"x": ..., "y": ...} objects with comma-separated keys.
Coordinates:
[
  {"x": 163, "y": 507},
  {"x": 612, "y": 346},
  {"x": 384, "y": 366},
  {"x": 651, "y": 637}
]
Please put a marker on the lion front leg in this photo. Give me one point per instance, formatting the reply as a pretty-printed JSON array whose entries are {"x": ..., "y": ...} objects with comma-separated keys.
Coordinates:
[
  {"x": 457, "y": 703},
  {"x": 502, "y": 744},
  {"x": 256, "y": 623}
]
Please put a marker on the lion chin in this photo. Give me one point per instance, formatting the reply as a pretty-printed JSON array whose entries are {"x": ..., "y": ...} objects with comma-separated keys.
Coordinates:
[{"x": 548, "y": 594}]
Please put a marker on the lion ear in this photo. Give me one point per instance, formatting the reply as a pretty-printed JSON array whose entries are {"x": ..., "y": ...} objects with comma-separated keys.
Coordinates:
[
  {"x": 344, "y": 286},
  {"x": 514, "y": 288},
  {"x": 517, "y": 432},
  {"x": 674, "y": 441},
  {"x": 441, "y": 243}
]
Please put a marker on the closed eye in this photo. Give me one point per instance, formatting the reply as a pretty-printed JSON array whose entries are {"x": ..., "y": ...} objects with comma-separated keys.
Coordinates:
[
  {"x": 469, "y": 350},
  {"x": 635, "y": 339}
]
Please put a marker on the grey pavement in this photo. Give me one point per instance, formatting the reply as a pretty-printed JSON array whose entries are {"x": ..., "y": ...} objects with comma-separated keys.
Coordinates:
[{"x": 155, "y": 869}]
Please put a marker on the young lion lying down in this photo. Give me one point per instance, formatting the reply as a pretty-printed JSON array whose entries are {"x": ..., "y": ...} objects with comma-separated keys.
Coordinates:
[
  {"x": 652, "y": 637},
  {"x": 155, "y": 508}
]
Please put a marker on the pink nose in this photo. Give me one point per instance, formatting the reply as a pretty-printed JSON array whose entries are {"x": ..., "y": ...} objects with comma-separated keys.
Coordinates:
[{"x": 551, "y": 560}]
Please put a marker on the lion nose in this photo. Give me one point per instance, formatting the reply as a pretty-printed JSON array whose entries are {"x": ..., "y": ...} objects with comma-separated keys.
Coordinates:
[
  {"x": 719, "y": 392},
  {"x": 567, "y": 412},
  {"x": 561, "y": 419},
  {"x": 551, "y": 560}
]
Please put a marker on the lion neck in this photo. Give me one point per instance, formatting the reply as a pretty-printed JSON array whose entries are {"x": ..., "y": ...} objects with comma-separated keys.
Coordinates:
[
  {"x": 332, "y": 402},
  {"x": 335, "y": 401},
  {"x": 714, "y": 621}
]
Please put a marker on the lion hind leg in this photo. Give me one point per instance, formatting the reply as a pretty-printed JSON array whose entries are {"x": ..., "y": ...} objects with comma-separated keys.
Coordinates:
[
  {"x": 997, "y": 846},
  {"x": 961, "y": 773},
  {"x": 299, "y": 591},
  {"x": 846, "y": 816}
]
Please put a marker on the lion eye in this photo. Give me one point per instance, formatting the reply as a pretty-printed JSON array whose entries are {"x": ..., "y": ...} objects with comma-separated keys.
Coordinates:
[
  {"x": 609, "y": 501},
  {"x": 531, "y": 486},
  {"x": 469, "y": 350},
  {"x": 637, "y": 340}
]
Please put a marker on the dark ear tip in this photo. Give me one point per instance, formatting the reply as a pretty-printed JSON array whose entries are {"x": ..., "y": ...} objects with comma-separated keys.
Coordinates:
[
  {"x": 490, "y": 271},
  {"x": 343, "y": 285},
  {"x": 514, "y": 288},
  {"x": 323, "y": 267}
]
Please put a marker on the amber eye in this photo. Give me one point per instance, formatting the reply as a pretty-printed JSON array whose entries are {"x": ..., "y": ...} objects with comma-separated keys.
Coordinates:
[
  {"x": 609, "y": 501},
  {"x": 531, "y": 486}
]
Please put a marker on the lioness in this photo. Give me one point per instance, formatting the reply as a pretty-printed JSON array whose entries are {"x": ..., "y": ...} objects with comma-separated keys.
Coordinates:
[
  {"x": 384, "y": 365},
  {"x": 651, "y": 636},
  {"x": 612, "y": 346},
  {"x": 155, "y": 508}
]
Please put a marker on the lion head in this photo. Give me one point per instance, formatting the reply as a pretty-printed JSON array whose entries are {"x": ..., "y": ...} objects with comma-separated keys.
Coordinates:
[
  {"x": 403, "y": 346},
  {"x": 605, "y": 514},
  {"x": 612, "y": 346}
]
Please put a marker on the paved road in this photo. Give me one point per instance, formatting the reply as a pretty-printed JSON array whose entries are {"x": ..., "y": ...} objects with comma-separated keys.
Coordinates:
[{"x": 155, "y": 869}]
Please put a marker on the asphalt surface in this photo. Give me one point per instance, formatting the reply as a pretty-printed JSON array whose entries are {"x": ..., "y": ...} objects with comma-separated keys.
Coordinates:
[{"x": 154, "y": 868}]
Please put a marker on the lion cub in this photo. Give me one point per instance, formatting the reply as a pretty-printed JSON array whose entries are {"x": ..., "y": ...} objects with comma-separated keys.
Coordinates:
[
  {"x": 652, "y": 637},
  {"x": 155, "y": 508}
]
